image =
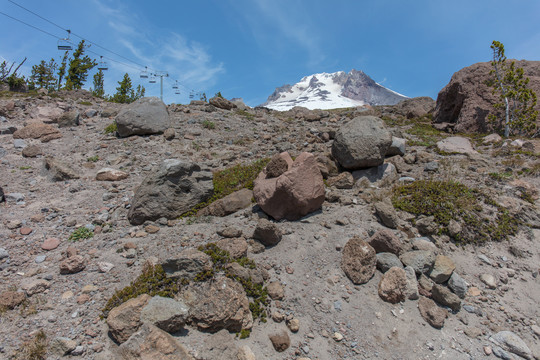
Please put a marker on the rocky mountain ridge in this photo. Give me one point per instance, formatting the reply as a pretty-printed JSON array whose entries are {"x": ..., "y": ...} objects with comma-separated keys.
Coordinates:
[{"x": 331, "y": 91}]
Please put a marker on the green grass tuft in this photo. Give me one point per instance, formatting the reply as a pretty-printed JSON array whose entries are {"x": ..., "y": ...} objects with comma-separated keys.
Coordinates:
[
  {"x": 482, "y": 219},
  {"x": 81, "y": 233},
  {"x": 111, "y": 128}
]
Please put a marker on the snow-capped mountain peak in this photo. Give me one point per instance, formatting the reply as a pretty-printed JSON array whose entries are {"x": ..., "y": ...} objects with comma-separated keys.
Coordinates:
[{"x": 331, "y": 91}]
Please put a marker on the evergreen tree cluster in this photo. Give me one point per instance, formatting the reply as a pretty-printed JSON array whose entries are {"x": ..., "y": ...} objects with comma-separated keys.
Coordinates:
[{"x": 70, "y": 74}]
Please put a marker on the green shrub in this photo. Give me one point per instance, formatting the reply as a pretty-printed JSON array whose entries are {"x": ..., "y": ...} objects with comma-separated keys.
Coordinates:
[
  {"x": 94, "y": 158},
  {"x": 81, "y": 233},
  {"x": 245, "y": 114},
  {"x": 111, "y": 128},
  {"x": 482, "y": 219},
  {"x": 207, "y": 124},
  {"x": 87, "y": 103}
]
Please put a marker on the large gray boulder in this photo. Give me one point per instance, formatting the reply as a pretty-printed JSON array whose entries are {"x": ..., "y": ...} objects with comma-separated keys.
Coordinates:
[
  {"x": 145, "y": 116},
  {"x": 175, "y": 188},
  {"x": 361, "y": 143}
]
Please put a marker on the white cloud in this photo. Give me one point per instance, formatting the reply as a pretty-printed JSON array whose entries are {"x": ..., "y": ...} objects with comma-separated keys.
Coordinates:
[
  {"x": 185, "y": 60},
  {"x": 271, "y": 22}
]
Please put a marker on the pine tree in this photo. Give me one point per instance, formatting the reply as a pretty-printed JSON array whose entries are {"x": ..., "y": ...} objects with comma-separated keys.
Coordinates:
[
  {"x": 78, "y": 68},
  {"x": 517, "y": 99},
  {"x": 125, "y": 93},
  {"x": 62, "y": 69},
  {"x": 43, "y": 75},
  {"x": 98, "y": 84}
]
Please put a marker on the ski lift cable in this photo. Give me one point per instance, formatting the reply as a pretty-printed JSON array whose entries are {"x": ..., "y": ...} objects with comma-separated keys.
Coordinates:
[
  {"x": 59, "y": 38},
  {"x": 88, "y": 50},
  {"x": 79, "y": 36}
]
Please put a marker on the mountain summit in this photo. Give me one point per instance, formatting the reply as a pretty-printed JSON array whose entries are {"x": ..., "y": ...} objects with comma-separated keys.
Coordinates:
[{"x": 331, "y": 91}]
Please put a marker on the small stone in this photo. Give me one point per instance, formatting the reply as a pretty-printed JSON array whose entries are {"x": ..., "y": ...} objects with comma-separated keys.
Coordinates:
[
  {"x": 457, "y": 285},
  {"x": 293, "y": 325},
  {"x": 72, "y": 265},
  {"x": 280, "y": 341},
  {"x": 34, "y": 286},
  {"x": 489, "y": 281},
  {"x": 62, "y": 346},
  {"x": 536, "y": 329},
  {"x": 25, "y": 231},
  {"x": 230, "y": 232},
  {"x": 108, "y": 174},
  {"x": 474, "y": 291},
  {"x": 245, "y": 353},
  {"x": 445, "y": 297},
  {"x": 275, "y": 291},
  {"x": 278, "y": 316},
  {"x": 105, "y": 267},
  {"x": 67, "y": 295},
  {"x": 267, "y": 233},
  {"x": 89, "y": 288},
  {"x": 50, "y": 244},
  {"x": 487, "y": 350},
  {"x": 40, "y": 258},
  {"x": 393, "y": 285},
  {"x": 442, "y": 269},
  {"x": 151, "y": 229},
  {"x": 431, "y": 313},
  {"x": 337, "y": 337}
]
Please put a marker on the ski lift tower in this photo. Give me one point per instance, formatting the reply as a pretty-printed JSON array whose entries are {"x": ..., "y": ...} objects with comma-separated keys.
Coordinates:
[{"x": 161, "y": 75}]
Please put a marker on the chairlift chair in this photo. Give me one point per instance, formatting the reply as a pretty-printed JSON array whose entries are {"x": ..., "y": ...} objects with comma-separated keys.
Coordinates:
[
  {"x": 144, "y": 73},
  {"x": 103, "y": 65},
  {"x": 65, "y": 44},
  {"x": 177, "y": 91},
  {"x": 175, "y": 85},
  {"x": 153, "y": 79}
]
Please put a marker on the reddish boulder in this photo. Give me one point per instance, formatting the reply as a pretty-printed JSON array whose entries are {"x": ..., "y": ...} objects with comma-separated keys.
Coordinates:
[{"x": 293, "y": 194}]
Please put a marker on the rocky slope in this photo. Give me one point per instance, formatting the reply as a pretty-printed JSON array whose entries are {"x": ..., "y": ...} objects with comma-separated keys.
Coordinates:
[
  {"x": 52, "y": 150},
  {"x": 332, "y": 91}
]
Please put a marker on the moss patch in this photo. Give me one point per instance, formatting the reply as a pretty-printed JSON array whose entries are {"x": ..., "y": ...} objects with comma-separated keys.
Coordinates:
[
  {"x": 481, "y": 218},
  {"x": 256, "y": 292},
  {"x": 230, "y": 180},
  {"x": 152, "y": 281}
]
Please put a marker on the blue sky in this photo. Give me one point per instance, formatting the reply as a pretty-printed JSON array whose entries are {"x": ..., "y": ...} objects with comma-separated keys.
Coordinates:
[{"x": 247, "y": 48}]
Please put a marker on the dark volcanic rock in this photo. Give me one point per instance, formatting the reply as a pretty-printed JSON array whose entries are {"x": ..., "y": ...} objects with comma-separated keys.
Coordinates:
[
  {"x": 175, "y": 188},
  {"x": 466, "y": 101}
]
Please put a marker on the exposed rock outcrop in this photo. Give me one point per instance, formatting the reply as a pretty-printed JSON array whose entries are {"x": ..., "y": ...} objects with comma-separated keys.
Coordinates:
[{"x": 465, "y": 103}]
